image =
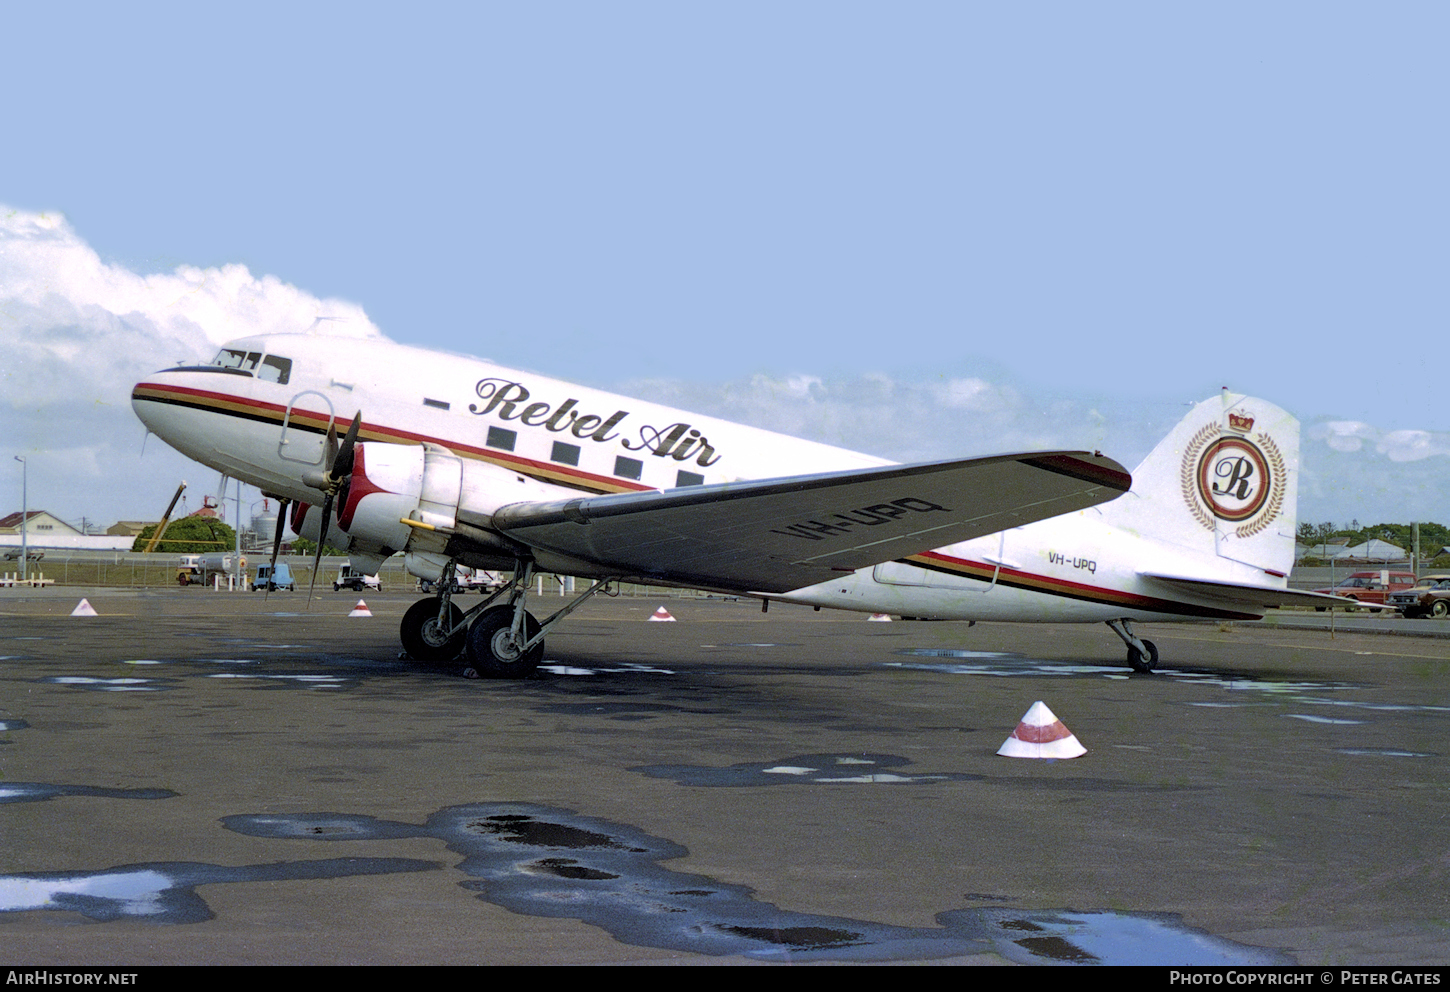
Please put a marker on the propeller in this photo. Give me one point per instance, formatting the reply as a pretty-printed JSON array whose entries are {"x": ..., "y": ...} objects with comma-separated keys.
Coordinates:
[
  {"x": 276, "y": 546},
  {"x": 331, "y": 482}
]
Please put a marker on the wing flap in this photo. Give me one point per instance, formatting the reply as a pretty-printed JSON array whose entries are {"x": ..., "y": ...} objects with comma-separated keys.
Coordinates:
[{"x": 774, "y": 535}]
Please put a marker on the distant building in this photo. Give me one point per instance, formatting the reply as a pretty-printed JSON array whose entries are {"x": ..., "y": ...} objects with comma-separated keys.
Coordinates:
[
  {"x": 37, "y": 523},
  {"x": 45, "y": 530},
  {"x": 129, "y": 528}
]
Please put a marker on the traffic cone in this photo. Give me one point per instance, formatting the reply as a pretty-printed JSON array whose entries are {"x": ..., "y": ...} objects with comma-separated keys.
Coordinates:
[
  {"x": 361, "y": 610},
  {"x": 84, "y": 609},
  {"x": 879, "y": 618},
  {"x": 661, "y": 615},
  {"x": 1040, "y": 734}
]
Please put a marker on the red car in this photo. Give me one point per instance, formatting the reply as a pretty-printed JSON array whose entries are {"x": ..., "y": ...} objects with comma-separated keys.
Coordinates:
[{"x": 1371, "y": 587}]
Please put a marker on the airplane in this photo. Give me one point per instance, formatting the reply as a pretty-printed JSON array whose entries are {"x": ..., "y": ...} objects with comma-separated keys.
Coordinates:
[{"x": 451, "y": 460}]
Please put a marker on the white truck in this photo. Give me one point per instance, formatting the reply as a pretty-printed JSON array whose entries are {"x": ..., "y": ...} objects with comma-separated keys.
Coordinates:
[{"x": 351, "y": 578}]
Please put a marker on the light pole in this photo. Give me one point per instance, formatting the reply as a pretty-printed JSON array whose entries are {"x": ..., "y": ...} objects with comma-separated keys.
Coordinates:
[{"x": 24, "y": 517}]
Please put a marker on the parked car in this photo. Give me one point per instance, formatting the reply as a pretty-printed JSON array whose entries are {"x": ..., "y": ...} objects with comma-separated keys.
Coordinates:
[
  {"x": 1430, "y": 597},
  {"x": 267, "y": 579},
  {"x": 1370, "y": 587},
  {"x": 34, "y": 554},
  {"x": 351, "y": 578}
]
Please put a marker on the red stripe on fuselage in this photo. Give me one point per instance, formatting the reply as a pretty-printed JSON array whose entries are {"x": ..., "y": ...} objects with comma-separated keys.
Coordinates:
[
  {"x": 226, "y": 404},
  {"x": 1014, "y": 578}
]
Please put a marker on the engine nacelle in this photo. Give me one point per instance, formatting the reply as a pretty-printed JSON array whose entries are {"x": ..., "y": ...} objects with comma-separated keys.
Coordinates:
[{"x": 426, "y": 483}]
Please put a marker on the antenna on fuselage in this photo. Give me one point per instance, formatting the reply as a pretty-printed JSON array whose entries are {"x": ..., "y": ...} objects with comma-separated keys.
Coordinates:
[{"x": 312, "y": 327}]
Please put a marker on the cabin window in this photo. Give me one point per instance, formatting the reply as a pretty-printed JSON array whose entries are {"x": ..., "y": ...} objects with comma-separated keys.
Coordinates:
[
  {"x": 689, "y": 479},
  {"x": 628, "y": 468},
  {"x": 565, "y": 454},
  {"x": 499, "y": 437},
  {"x": 436, "y": 404},
  {"x": 275, "y": 369}
]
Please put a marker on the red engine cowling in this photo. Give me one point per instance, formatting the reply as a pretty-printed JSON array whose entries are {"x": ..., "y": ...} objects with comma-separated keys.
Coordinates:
[{"x": 389, "y": 482}]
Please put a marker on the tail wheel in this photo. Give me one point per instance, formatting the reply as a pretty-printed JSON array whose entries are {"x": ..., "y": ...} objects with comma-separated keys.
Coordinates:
[
  {"x": 1140, "y": 662},
  {"x": 494, "y": 653},
  {"x": 425, "y": 639}
]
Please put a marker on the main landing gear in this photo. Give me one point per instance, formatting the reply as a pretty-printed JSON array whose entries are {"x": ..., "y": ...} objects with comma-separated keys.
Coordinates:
[
  {"x": 501, "y": 642},
  {"x": 1142, "y": 655}
]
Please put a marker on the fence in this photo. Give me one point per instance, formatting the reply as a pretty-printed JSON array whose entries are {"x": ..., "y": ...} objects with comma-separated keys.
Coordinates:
[{"x": 135, "y": 570}]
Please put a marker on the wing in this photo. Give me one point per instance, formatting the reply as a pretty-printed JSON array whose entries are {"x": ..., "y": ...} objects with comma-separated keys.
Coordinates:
[
  {"x": 774, "y": 535},
  {"x": 1256, "y": 597}
]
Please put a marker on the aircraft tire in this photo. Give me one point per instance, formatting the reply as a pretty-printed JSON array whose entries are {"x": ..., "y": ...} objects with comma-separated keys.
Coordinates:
[
  {"x": 419, "y": 632},
  {"x": 490, "y": 649},
  {"x": 1141, "y": 664}
]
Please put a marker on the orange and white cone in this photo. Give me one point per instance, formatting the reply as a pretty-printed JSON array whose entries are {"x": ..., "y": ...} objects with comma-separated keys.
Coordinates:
[
  {"x": 1040, "y": 734},
  {"x": 84, "y": 609},
  {"x": 662, "y": 615},
  {"x": 361, "y": 610},
  {"x": 879, "y": 618}
]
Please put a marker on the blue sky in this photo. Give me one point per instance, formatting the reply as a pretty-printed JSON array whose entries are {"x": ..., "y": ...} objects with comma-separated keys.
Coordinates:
[{"x": 1091, "y": 214}]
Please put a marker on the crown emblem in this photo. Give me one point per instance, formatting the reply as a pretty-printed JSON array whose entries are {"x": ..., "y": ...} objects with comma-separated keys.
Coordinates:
[{"x": 1242, "y": 424}]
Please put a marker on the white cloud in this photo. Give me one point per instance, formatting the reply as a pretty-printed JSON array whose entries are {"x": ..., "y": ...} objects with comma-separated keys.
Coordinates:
[
  {"x": 77, "y": 333},
  {"x": 1397, "y": 446}
]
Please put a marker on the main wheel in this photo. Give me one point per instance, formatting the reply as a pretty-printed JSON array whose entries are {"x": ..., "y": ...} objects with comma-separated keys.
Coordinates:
[
  {"x": 492, "y": 650},
  {"x": 422, "y": 636},
  {"x": 1143, "y": 663}
]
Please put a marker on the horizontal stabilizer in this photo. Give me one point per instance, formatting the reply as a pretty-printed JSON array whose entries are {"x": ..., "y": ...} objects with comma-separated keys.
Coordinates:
[
  {"x": 1256, "y": 597},
  {"x": 774, "y": 535}
]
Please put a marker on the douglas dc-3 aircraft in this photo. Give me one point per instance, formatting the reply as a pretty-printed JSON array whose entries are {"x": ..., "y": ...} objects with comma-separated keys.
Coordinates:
[{"x": 451, "y": 460}]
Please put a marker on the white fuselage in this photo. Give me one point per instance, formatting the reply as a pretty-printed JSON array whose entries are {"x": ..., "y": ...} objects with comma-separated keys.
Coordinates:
[{"x": 265, "y": 422}]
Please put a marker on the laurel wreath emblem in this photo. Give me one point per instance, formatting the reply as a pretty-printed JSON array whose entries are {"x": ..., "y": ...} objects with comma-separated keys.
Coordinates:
[
  {"x": 1190, "y": 470},
  {"x": 1188, "y": 478}
]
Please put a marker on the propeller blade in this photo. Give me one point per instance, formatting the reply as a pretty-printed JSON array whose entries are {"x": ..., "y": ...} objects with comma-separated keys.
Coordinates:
[
  {"x": 343, "y": 465},
  {"x": 321, "y": 540},
  {"x": 276, "y": 547}
]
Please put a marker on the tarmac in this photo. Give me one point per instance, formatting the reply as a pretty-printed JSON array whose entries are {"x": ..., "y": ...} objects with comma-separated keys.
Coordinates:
[{"x": 194, "y": 777}]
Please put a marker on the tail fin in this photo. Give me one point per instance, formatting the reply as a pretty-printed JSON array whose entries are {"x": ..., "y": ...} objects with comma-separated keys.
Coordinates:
[{"x": 1225, "y": 481}]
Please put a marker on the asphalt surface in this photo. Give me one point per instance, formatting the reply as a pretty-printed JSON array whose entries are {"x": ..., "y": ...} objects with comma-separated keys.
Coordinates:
[{"x": 194, "y": 777}]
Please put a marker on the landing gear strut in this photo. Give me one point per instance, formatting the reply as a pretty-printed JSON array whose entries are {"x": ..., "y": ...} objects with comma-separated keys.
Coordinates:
[
  {"x": 1142, "y": 655},
  {"x": 503, "y": 641}
]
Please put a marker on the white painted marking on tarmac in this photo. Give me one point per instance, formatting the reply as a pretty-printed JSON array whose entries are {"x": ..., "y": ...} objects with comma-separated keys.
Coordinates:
[
  {"x": 788, "y": 770},
  {"x": 1322, "y": 719}
]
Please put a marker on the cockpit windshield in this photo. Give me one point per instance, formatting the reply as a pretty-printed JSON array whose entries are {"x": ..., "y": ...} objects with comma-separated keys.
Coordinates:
[{"x": 268, "y": 368}]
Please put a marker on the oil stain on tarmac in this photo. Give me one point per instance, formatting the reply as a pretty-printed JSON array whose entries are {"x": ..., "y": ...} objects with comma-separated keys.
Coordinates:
[{"x": 551, "y": 862}]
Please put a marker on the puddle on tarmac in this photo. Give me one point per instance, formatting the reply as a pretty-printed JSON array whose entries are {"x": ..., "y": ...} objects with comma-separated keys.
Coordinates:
[
  {"x": 36, "y": 792},
  {"x": 559, "y": 668},
  {"x": 106, "y": 685},
  {"x": 312, "y": 681},
  {"x": 804, "y": 769},
  {"x": 551, "y": 862},
  {"x": 165, "y": 892},
  {"x": 13, "y": 725}
]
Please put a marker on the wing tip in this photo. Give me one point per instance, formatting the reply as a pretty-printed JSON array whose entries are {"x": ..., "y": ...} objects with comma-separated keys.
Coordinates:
[{"x": 1095, "y": 469}]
